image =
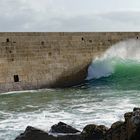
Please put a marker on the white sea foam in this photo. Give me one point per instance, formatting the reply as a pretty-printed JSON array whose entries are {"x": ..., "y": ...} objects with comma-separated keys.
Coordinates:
[{"x": 27, "y": 91}]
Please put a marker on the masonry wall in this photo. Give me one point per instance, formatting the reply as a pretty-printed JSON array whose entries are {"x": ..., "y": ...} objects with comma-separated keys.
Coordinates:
[{"x": 50, "y": 60}]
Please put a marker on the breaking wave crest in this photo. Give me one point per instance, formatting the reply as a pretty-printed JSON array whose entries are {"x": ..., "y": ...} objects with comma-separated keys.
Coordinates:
[{"x": 119, "y": 65}]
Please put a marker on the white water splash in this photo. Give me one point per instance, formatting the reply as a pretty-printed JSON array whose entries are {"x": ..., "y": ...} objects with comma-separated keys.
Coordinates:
[{"x": 104, "y": 66}]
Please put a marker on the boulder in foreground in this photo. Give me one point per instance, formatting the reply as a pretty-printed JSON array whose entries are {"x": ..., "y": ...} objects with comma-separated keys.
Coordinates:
[
  {"x": 32, "y": 133},
  {"x": 63, "y": 128}
]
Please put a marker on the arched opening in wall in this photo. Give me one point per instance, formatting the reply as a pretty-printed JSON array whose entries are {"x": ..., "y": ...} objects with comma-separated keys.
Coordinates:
[
  {"x": 16, "y": 78},
  {"x": 137, "y": 37},
  {"x": 82, "y": 39},
  {"x": 7, "y": 40}
]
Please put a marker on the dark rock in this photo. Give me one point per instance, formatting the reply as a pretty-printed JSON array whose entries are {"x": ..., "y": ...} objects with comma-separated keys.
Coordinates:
[
  {"x": 70, "y": 137},
  {"x": 63, "y": 128},
  {"x": 128, "y": 130},
  {"x": 94, "y": 132},
  {"x": 136, "y": 117},
  {"x": 136, "y": 108},
  {"x": 117, "y": 124},
  {"x": 136, "y": 135},
  {"x": 32, "y": 133},
  {"x": 127, "y": 116},
  {"x": 115, "y": 132},
  {"x": 135, "y": 124}
]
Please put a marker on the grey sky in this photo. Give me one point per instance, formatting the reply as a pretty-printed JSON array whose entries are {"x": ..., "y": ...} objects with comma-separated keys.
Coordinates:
[{"x": 69, "y": 15}]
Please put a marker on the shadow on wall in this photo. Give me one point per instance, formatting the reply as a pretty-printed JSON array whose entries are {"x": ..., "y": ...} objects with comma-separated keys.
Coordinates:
[
  {"x": 73, "y": 79},
  {"x": 70, "y": 79}
]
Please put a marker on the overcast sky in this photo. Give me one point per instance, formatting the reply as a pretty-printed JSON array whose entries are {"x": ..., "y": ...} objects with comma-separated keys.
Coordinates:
[{"x": 69, "y": 15}]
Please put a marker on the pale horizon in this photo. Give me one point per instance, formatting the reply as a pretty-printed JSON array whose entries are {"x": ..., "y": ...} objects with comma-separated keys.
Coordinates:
[{"x": 69, "y": 16}]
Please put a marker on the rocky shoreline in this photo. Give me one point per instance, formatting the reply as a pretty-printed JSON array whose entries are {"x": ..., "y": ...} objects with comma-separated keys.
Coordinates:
[{"x": 127, "y": 130}]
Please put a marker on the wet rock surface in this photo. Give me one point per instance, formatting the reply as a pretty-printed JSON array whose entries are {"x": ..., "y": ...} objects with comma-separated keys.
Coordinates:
[
  {"x": 94, "y": 132},
  {"x": 127, "y": 130},
  {"x": 63, "y": 128},
  {"x": 32, "y": 133}
]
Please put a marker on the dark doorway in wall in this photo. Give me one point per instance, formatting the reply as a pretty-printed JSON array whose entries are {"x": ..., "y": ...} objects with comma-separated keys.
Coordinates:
[
  {"x": 7, "y": 40},
  {"x": 90, "y": 41},
  {"x": 16, "y": 78},
  {"x": 137, "y": 37},
  {"x": 42, "y": 43}
]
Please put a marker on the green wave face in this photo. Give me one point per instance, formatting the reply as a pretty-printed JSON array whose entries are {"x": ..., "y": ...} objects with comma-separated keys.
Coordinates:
[{"x": 125, "y": 75}]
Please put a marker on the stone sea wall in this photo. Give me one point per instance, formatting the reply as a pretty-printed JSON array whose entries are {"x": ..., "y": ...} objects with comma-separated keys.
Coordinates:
[{"x": 51, "y": 60}]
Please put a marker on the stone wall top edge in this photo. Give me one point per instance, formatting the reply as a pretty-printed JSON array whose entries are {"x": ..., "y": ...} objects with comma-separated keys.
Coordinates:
[
  {"x": 6, "y": 34},
  {"x": 44, "y": 33}
]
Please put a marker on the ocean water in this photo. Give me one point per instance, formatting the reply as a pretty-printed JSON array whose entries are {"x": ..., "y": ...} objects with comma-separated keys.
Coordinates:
[{"x": 112, "y": 87}]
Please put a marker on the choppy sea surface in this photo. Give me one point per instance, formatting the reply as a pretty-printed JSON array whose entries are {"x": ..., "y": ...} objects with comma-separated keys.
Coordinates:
[{"x": 112, "y": 87}]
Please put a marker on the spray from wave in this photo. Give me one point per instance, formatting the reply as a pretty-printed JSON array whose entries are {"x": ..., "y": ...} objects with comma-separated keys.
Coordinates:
[{"x": 118, "y": 66}]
